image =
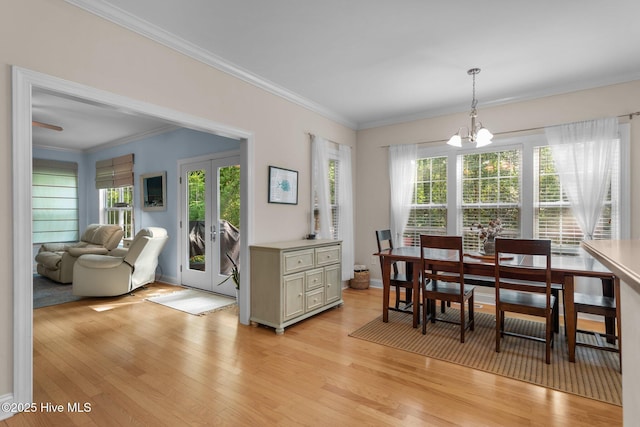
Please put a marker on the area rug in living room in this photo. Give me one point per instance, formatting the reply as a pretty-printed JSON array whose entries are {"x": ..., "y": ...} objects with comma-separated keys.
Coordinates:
[
  {"x": 47, "y": 292},
  {"x": 595, "y": 374},
  {"x": 193, "y": 301}
]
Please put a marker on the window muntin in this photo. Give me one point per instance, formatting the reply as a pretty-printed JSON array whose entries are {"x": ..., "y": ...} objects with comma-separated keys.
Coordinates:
[
  {"x": 117, "y": 208},
  {"x": 429, "y": 210},
  {"x": 333, "y": 199},
  {"x": 553, "y": 218},
  {"x": 529, "y": 217},
  {"x": 490, "y": 188}
]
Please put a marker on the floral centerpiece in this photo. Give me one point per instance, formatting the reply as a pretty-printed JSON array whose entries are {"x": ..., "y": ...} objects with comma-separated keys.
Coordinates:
[{"x": 487, "y": 234}]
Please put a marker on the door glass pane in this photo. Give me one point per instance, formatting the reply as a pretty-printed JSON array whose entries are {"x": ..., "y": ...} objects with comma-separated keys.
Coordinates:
[
  {"x": 196, "y": 200},
  {"x": 229, "y": 181}
]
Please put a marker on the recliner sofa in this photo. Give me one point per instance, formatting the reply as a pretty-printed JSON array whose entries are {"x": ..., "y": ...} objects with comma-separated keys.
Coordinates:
[
  {"x": 56, "y": 260},
  {"x": 122, "y": 271}
]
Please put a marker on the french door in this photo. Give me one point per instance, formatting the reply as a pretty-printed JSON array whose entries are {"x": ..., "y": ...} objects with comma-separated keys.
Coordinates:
[{"x": 210, "y": 229}]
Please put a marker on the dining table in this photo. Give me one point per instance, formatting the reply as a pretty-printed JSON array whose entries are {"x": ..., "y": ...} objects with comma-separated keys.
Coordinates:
[{"x": 479, "y": 270}]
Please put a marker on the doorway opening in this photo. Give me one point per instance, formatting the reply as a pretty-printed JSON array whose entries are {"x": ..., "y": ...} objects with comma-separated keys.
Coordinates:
[{"x": 24, "y": 81}]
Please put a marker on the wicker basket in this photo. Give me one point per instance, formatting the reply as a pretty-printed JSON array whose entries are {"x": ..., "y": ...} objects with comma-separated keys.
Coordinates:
[{"x": 360, "y": 280}]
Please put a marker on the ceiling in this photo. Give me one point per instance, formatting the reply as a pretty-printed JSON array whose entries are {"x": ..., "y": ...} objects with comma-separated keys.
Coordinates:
[
  {"x": 86, "y": 125},
  {"x": 367, "y": 63}
]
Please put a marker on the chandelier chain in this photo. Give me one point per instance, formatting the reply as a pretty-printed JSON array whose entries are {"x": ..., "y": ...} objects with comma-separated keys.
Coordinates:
[{"x": 474, "y": 101}]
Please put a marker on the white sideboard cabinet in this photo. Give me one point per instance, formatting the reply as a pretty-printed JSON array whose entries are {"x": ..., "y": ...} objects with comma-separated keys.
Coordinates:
[{"x": 291, "y": 281}]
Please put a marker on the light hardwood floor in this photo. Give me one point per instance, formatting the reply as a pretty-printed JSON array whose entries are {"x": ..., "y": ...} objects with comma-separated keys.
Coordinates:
[{"x": 139, "y": 363}]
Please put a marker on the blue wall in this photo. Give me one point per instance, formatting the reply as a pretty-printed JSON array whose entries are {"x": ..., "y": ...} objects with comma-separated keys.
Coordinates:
[{"x": 153, "y": 154}]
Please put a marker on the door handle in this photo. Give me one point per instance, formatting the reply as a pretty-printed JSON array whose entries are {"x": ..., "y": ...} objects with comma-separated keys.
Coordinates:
[{"x": 213, "y": 233}]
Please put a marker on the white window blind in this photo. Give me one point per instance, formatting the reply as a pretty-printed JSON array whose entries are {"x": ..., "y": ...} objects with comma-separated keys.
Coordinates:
[
  {"x": 517, "y": 183},
  {"x": 55, "y": 201},
  {"x": 553, "y": 218},
  {"x": 115, "y": 172},
  {"x": 490, "y": 187},
  {"x": 334, "y": 177},
  {"x": 429, "y": 211}
]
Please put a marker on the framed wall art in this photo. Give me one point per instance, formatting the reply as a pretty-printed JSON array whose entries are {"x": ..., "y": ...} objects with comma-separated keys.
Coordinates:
[{"x": 283, "y": 186}]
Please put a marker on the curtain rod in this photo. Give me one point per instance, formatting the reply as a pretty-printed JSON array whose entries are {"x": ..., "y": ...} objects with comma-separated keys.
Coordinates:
[
  {"x": 629, "y": 115},
  {"x": 313, "y": 135}
]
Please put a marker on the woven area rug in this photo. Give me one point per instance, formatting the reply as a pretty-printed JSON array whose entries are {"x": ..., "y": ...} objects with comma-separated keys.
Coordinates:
[
  {"x": 193, "y": 301},
  {"x": 595, "y": 374},
  {"x": 47, "y": 292}
]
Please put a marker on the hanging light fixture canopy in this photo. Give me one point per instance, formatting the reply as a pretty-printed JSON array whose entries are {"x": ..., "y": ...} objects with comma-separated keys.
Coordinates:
[{"x": 476, "y": 134}]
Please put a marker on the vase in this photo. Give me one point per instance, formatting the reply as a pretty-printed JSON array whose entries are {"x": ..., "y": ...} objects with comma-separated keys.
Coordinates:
[{"x": 489, "y": 246}]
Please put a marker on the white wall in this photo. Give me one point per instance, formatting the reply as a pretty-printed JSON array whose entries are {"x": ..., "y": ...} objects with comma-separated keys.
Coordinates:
[
  {"x": 372, "y": 178},
  {"x": 61, "y": 40}
]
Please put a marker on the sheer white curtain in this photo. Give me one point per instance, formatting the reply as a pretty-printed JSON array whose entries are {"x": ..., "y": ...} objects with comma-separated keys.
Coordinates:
[
  {"x": 583, "y": 154},
  {"x": 345, "y": 203},
  {"x": 402, "y": 176},
  {"x": 320, "y": 160}
]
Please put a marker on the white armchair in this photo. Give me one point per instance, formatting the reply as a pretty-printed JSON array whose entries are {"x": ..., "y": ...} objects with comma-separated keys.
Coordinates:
[{"x": 122, "y": 271}]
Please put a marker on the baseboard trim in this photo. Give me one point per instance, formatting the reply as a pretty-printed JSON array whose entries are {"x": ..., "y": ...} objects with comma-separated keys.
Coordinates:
[{"x": 5, "y": 400}]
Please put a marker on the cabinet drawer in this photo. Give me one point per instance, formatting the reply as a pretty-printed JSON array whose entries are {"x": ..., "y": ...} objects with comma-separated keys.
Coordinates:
[
  {"x": 298, "y": 261},
  {"x": 314, "y": 279},
  {"x": 314, "y": 299},
  {"x": 328, "y": 255}
]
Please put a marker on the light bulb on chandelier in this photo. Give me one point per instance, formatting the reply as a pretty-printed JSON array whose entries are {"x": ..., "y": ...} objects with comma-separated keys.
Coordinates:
[{"x": 476, "y": 133}]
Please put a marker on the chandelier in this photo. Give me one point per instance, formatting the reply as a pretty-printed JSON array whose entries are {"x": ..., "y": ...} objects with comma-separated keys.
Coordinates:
[{"x": 476, "y": 134}]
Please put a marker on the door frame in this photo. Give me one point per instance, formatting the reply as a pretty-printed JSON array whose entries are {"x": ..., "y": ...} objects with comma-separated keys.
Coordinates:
[
  {"x": 181, "y": 199},
  {"x": 23, "y": 80}
]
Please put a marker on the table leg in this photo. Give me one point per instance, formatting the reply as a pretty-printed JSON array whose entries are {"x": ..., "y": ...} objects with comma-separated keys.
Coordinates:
[
  {"x": 609, "y": 322},
  {"x": 570, "y": 319},
  {"x": 616, "y": 292},
  {"x": 416, "y": 293},
  {"x": 386, "y": 285}
]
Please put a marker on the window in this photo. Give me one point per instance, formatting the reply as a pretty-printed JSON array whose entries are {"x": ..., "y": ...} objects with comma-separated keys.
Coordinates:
[
  {"x": 333, "y": 200},
  {"x": 489, "y": 185},
  {"x": 55, "y": 201},
  {"x": 117, "y": 208},
  {"x": 429, "y": 211},
  {"x": 515, "y": 180},
  {"x": 333, "y": 196},
  {"x": 553, "y": 218},
  {"x": 114, "y": 179}
]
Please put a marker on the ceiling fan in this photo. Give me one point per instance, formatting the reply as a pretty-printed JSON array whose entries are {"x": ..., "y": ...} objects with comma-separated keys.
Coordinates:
[{"x": 46, "y": 125}]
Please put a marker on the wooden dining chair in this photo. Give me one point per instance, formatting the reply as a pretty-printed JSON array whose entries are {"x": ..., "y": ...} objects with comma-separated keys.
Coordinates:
[
  {"x": 443, "y": 279},
  {"x": 523, "y": 288},
  {"x": 398, "y": 280},
  {"x": 599, "y": 305}
]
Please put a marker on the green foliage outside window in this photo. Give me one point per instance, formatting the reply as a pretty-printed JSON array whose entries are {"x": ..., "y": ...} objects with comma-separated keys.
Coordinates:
[
  {"x": 229, "y": 195},
  {"x": 197, "y": 197}
]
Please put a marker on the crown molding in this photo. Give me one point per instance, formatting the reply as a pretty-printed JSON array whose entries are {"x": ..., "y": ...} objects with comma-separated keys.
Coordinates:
[
  {"x": 461, "y": 108},
  {"x": 157, "y": 34}
]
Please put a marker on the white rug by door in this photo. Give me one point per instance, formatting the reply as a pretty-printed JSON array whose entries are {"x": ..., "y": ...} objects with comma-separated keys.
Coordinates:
[{"x": 193, "y": 301}]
